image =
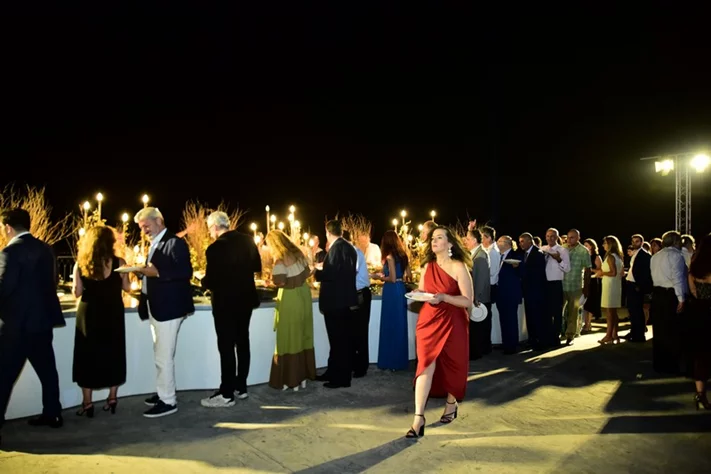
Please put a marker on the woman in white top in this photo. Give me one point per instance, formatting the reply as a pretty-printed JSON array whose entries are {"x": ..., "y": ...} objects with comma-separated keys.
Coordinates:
[{"x": 611, "y": 274}]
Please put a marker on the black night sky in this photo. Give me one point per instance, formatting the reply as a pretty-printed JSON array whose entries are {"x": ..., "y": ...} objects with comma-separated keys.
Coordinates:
[{"x": 525, "y": 119}]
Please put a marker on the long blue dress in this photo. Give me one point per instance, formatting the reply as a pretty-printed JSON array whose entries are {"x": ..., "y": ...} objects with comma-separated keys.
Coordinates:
[{"x": 393, "y": 348}]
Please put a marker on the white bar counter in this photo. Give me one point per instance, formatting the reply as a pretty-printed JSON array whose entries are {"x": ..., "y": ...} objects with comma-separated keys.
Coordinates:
[{"x": 197, "y": 361}]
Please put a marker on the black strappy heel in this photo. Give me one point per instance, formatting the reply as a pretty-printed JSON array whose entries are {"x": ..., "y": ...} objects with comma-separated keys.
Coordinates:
[
  {"x": 414, "y": 434},
  {"x": 450, "y": 417},
  {"x": 111, "y": 404},
  {"x": 87, "y": 410}
]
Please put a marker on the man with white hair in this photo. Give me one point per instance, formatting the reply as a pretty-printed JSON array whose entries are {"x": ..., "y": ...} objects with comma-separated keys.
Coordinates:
[
  {"x": 232, "y": 261},
  {"x": 166, "y": 299}
]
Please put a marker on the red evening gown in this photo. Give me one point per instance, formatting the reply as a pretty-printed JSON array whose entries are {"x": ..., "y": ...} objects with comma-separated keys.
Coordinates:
[{"x": 443, "y": 335}]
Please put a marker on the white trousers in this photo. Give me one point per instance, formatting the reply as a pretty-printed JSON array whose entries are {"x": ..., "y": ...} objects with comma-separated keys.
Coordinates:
[{"x": 165, "y": 339}]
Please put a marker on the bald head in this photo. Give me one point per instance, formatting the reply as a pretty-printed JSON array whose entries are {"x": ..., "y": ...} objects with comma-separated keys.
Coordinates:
[{"x": 573, "y": 237}]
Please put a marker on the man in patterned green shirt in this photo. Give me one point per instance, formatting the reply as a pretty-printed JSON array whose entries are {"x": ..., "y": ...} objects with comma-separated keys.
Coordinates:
[{"x": 573, "y": 284}]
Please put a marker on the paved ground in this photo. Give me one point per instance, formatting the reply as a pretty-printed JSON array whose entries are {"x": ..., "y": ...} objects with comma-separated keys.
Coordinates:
[{"x": 580, "y": 409}]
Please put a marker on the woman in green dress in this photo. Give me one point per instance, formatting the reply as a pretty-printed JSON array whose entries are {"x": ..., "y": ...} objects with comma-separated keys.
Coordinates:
[{"x": 294, "y": 361}]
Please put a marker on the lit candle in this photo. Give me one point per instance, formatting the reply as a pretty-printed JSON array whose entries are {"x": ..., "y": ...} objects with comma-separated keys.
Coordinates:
[
  {"x": 292, "y": 209},
  {"x": 99, "y": 199},
  {"x": 433, "y": 214},
  {"x": 273, "y": 219},
  {"x": 395, "y": 224},
  {"x": 86, "y": 207},
  {"x": 267, "y": 209},
  {"x": 281, "y": 226},
  {"x": 403, "y": 213},
  {"x": 145, "y": 200},
  {"x": 124, "y": 219},
  {"x": 254, "y": 230}
]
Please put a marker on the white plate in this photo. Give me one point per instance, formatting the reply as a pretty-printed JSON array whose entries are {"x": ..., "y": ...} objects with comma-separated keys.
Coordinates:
[
  {"x": 511, "y": 260},
  {"x": 478, "y": 313},
  {"x": 127, "y": 269},
  {"x": 419, "y": 296}
]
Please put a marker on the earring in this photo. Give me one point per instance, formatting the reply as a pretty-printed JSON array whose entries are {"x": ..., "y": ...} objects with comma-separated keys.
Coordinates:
[{"x": 449, "y": 251}]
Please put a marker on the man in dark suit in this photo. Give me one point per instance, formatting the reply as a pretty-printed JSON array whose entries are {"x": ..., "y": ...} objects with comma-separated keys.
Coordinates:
[
  {"x": 533, "y": 280},
  {"x": 639, "y": 283},
  {"x": 232, "y": 261},
  {"x": 509, "y": 295},
  {"x": 336, "y": 298},
  {"x": 479, "y": 332},
  {"x": 166, "y": 299},
  {"x": 29, "y": 310}
]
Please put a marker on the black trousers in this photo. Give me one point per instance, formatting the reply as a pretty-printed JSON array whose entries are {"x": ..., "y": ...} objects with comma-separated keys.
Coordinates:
[
  {"x": 635, "y": 305},
  {"x": 361, "y": 317},
  {"x": 666, "y": 343},
  {"x": 538, "y": 331},
  {"x": 15, "y": 349},
  {"x": 340, "y": 329},
  {"x": 554, "y": 310},
  {"x": 480, "y": 336},
  {"x": 232, "y": 329}
]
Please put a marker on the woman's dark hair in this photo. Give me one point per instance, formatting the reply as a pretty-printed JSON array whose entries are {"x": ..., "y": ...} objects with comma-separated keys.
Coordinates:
[
  {"x": 391, "y": 244},
  {"x": 701, "y": 261},
  {"x": 96, "y": 250},
  {"x": 593, "y": 244},
  {"x": 459, "y": 252}
]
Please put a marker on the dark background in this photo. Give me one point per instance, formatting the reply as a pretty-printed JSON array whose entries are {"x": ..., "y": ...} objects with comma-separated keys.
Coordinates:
[{"x": 527, "y": 119}]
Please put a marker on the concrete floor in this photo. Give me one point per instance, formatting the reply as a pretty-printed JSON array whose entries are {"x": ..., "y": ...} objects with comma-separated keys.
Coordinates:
[{"x": 579, "y": 409}]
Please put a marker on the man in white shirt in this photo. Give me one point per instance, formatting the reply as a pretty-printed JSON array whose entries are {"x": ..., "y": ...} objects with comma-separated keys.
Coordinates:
[
  {"x": 373, "y": 256},
  {"x": 638, "y": 283},
  {"x": 488, "y": 241},
  {"x": 361, "y": 354},
  {"x": 669, "y": 275},
  {"x": 557, "y": 265}
]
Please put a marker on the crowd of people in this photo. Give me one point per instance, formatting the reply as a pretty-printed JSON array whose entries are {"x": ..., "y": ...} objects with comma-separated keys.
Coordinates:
[{"x": 556, "y": 283}]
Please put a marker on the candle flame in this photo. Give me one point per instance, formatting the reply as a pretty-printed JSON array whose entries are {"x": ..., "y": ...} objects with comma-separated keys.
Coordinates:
[
  {"x": 253, "y": 226},
  {"x": 87, "y": 206},
  {"x": 394, "y": 221},
  {"x": 145, "y": 199},
  {"x": 99, "y": 197},
  {"x": 124, "y": 217}
]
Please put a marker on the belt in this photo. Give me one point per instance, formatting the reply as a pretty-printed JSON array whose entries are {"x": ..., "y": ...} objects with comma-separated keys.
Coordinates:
[
  {"x": 661, "y": 289},
  {"x": 362, "y": 290}
]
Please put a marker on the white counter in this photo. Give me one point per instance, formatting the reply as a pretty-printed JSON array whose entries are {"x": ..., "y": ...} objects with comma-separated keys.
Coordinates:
[{"x": 197, "y": 360}]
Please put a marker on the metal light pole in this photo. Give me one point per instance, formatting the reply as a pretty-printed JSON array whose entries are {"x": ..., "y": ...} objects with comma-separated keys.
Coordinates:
[{"x": 680, "y": 164}]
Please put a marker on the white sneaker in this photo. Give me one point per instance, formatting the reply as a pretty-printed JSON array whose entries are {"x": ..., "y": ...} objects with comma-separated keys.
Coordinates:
[
  {"x": 216, "y": 400},
  {"x": 242, "y": 395}
]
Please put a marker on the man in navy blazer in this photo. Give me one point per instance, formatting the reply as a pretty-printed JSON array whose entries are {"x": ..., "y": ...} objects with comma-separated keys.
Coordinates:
[
  {"x": 533, "y": 280},
  {"x": 639, "y": 283},
  {"x": 509, "y": 293},
  {"x": 166, "y": 299},
  {"x": 29, "y": 310}
]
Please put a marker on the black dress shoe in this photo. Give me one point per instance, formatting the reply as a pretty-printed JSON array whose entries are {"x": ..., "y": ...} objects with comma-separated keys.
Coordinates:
[
  {"x": 336, "y": 385},
  {"x": 359, "y": 375},
  {"x": 43, "y": 420},
  {"x": 323, "y": 377},
  {"x": 569, "y": 342}
]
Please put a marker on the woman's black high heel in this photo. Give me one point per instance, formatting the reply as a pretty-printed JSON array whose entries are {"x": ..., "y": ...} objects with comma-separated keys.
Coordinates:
[
  {"x": 701, "y": 401},
  {"x": 415, "y": 434},
  {"x": 450, "y": 417},
  {"x": 111, "y": 404},
  {"x": 87, "y": 410}
]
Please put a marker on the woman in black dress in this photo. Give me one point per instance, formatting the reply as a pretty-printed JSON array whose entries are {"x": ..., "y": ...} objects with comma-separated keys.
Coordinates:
[
  {"x": 100, "y": 336},
  {"x": 698, "y": 321},
  {"x": 591, "y": 290}
]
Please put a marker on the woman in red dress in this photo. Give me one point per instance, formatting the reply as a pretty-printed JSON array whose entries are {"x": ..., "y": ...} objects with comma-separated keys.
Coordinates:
[{"x": 443, "y": 328}]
